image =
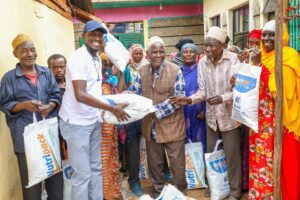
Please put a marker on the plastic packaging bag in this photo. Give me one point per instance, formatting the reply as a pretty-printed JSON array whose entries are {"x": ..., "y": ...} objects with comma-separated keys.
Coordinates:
[
  {"x": 170, "y": 192},
  {"x": 115, "y": 51},
  {"x": 246, "y": 95},
  {"x": 144, "y": 172},
  {"x": 195, "y": 168},
  {"x": 42, "y": 150},
  {"x": 138, "y": 107},
  {"x": 217, "y": 173}
]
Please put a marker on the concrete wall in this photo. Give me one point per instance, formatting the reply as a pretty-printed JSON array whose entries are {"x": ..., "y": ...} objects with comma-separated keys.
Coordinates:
[
  {"x": 51, "y": 33},
  {"x": 224, "y": 8}
]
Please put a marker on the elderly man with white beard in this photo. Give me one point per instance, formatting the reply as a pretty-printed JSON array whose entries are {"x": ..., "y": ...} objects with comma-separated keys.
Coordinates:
[{"x": 163, "y": 130}]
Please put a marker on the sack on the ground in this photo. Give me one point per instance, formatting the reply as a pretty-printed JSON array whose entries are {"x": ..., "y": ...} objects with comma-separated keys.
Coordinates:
[
  {"x": 170, "y": 192},
  {"x": 146, "y": 197},
  {"x": 144, "y": 172},
  {"x": 115, "y": 51},
  {"x": 194, "y": 165},
  {"x": 138, "y": 107},
  {"x": 217, "y": 173},
  {"x": 246, "y": 95},
  {"x": 67, "y": 173},
  {"x": 42, "y": 150}
]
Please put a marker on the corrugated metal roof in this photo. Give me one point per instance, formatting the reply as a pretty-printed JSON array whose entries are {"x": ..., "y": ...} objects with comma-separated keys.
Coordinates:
[{"x": 270, "y": 6}]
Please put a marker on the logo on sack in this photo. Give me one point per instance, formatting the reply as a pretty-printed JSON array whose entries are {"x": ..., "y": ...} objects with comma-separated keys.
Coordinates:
[
  {"x": 245, "y": 83},
  {"x": 143, "y": 165},
  {"x": 219, "y": 165},
  {"x": 190, "y": 174},
  {"x": 49, "y": 157},
  {"x": 237, "y": 102}
]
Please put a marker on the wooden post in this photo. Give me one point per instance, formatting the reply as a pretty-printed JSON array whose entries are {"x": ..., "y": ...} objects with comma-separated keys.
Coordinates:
[
  {"x": 278, "y": 108},
  {"x": 146, "y": 32}
]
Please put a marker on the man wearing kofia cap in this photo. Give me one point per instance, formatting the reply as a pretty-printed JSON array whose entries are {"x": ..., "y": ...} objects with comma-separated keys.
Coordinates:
[
  {"x": 29, "y": 88},
  {"x": 214, "y": 74},
  {"x": 163, "y": 130}
]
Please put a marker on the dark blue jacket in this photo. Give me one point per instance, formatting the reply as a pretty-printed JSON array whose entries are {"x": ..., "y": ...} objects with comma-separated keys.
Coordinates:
[{"x": 16, "y": 87}]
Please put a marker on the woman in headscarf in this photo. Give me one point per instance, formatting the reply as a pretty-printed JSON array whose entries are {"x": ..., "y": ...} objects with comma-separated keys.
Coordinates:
[
  {"x": 178, "y": 59},
  {"x": 137, "y": 59},
  {"x": 254, "y": 39},
  {"x": 194, "y": 114},
  {"x": 262, "y": 143}
]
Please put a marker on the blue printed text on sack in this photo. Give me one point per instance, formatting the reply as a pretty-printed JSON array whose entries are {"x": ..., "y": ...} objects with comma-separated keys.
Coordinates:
[
  {"x": 218, "y": 165},
  {"x": 47, "y": 154}
]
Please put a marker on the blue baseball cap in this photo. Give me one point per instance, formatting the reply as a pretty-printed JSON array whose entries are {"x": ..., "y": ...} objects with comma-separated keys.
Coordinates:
[{"x": 94, "y": 25}]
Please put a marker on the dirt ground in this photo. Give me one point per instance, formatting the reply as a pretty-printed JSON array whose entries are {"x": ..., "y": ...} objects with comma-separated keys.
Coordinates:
[{"x": 147, "y": 189}]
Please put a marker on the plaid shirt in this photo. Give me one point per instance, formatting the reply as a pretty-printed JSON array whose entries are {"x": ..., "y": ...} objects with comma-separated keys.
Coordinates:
[
  {"x": 215, "y": 80},
  {"x": 164, "y": 108}
]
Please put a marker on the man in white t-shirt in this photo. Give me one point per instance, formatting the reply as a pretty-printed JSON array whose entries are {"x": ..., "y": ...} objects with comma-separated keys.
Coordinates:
[{"x": 80, "y": 117}]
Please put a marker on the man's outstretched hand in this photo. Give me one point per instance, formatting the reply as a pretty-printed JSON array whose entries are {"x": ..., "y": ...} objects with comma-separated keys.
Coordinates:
[
  {"x": 180, "y": 101},
  {"x": 119, "y": 112}
]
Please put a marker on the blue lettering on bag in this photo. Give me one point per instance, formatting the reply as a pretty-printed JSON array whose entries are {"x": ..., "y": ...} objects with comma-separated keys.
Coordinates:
[
  {"x": 191, "y": 177},
  {"x": 142, "y": 171},
  {"x": 218, "y": 165}
]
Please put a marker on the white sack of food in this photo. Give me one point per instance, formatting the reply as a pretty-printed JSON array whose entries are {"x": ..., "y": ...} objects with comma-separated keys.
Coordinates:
[
  {"x": 217, "y": 173},
  {"x": 115, "y": 51},
  {"x": 138, "y": 107},
  {"x": 170, "y": 192},
  {"x": 246, "y": 95},
  {"x": 42, "y": 150}
]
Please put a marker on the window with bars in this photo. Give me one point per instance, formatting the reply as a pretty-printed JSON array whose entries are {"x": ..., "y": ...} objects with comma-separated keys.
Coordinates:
[
  {"x": 241, "y": 26},
  {"x": 215, "y": 21}
]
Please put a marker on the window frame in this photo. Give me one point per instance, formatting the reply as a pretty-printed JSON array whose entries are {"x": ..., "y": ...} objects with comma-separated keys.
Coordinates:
[
  {"x": 236, "y": 29},
  {"x": 216, "y": 18}
]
